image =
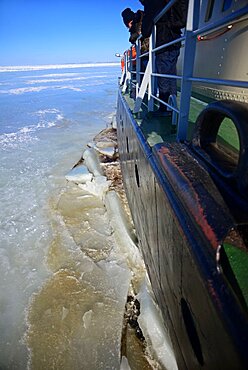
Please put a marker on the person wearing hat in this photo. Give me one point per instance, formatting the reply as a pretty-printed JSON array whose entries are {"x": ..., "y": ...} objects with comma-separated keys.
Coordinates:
[
  {"x": 128, "y": 16},
  {"x": 133, "y": 21}
]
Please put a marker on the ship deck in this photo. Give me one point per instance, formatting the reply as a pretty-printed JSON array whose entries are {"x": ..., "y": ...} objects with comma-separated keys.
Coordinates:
[{"x": 159, "y": 129}]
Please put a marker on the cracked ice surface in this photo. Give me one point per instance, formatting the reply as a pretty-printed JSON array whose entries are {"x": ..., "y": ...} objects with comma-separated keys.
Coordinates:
[{"x": 75, "y": 321}]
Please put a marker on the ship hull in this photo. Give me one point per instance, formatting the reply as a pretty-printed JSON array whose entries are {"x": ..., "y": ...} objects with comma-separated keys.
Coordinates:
[{"x": 175, "y": 207}]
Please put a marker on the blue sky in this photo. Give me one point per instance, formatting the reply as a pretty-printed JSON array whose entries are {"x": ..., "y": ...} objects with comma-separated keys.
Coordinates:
[{"x": 62, "y": 31}]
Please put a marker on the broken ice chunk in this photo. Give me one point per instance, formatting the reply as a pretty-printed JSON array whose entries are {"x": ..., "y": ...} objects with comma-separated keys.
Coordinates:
[
  {"x": 65, "y": 312},
  {"x": 123, "y": 231},
  {"x": 124, "y": 364},
  {"x": 114, "y": 122},
  {"x": 108, "y": 152},
  {"x": 79, "y": 174},
  {"x": 152, "y": 326},
  {"x": 99, "y": 186},
  {"x": 87, "y": 318},
  {"x": 92, "y": 161},
  {"x": 106, "y": 144},
  {"x": 107, "y": 148}
]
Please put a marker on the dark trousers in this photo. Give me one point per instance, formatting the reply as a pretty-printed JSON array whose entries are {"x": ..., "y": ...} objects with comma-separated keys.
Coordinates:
[{"x": 166, "y": 63}]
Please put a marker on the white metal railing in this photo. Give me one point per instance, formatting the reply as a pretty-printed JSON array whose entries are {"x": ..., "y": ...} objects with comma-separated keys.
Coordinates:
[{"x": 148, "y": 84}]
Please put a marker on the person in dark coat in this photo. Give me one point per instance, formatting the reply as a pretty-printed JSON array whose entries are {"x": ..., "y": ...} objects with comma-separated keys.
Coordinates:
[
  {"x": 167, "y": 30},
  {"x": 133, "y": 21}
]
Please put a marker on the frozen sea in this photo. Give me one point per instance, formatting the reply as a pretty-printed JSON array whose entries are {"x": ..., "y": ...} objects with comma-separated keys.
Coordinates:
[
  {"x": 65, "y": 269},
  {"x": 48, "y": 114}
]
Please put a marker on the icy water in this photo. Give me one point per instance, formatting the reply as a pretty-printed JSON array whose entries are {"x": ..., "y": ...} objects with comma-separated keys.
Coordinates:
[
  {"x": 47, "y": 117},
  {"x": 64, "y": 261}
]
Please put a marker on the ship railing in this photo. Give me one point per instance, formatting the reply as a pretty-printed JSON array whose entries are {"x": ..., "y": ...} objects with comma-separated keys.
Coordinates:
[{"x": 146, "y": 82}]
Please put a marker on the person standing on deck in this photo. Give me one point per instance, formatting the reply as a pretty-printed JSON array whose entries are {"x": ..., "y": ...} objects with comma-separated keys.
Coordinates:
[
  {"x": 133, "y": 21},
  {"x": 168, "y": 29}
]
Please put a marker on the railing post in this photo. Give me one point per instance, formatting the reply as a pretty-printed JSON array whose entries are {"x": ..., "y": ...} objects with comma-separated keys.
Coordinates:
[
  {"x": 130, "y": 69},
  {"x": 152, "y": 83},
  {"x": 143, "y": 87},
  {"x": 127, "y": 74},
  {"x": 188, "y": 67},
  {"x": 138, "y": 64},
  {"x": 124, "y": 71}
]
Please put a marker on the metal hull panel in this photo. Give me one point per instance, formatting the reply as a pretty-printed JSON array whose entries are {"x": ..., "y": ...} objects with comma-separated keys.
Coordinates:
[{"x": 178, "y": 239}]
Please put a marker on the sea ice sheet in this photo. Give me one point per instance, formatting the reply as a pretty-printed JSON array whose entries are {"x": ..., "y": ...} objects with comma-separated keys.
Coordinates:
[{"x": 75, "y": 321}]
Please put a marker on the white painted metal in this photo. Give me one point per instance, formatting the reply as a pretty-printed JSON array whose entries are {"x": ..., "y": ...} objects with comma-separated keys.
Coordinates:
[{"x": 143, "y": 88}]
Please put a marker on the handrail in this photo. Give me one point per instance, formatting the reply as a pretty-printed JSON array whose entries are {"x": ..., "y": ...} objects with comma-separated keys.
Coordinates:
[
  {"x": 166, "y": 8},
  {"x": 168, "y": 44},
  {"x": 192, "y": 30}
]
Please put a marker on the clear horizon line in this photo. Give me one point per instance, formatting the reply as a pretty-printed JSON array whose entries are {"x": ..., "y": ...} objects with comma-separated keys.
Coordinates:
[{"x": 16, "y": 68}]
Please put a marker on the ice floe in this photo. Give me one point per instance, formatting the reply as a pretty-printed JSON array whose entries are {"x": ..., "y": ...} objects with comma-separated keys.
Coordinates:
[
  {"x": 79, "y": 174},
  {"x": 153, "y": 329},
  {"x": 92, "y": 162},
  {"x": 106, "y": 148},
  {"x": 98, "y": 186},
  {"x": 125, "y": 364}
]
